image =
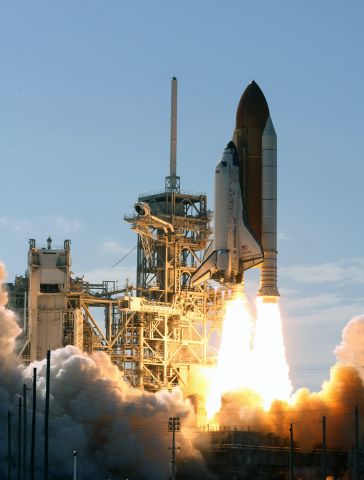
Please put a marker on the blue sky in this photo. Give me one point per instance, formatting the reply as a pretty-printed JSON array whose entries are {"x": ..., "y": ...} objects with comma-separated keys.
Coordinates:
[{"x": 84, "y": 128}]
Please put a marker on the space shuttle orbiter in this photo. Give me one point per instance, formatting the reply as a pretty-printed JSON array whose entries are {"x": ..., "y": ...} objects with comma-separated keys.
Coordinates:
[{"x": 245, "y": 201}]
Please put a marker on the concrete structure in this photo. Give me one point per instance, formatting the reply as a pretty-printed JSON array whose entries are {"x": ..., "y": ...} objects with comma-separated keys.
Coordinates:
[
  {"x": 49, "y": 277},
  {"x": 54, "y": 309},
  {"x": 39, "y": 299}
]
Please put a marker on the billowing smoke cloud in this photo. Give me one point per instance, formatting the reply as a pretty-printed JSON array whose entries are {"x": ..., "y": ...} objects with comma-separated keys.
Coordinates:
[
  {"x": 336, "y": 400},
  {"x": 351, "y": 349},
  {"x": 118, "y": 431},
  {"x": 11, "y": 378}
]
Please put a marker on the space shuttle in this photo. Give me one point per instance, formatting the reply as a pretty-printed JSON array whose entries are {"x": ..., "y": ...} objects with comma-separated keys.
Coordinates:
[{"x": 245, "y": 202}]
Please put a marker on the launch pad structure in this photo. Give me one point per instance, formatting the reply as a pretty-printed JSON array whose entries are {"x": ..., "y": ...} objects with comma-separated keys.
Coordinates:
[
  {"x": 175, "y": 322},
  {"x": 161, "y": 331},
  {"x": 155, "y": 331}
]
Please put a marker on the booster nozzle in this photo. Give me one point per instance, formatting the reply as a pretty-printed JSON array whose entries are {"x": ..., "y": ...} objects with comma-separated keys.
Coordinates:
[{"x": 237, "y": 290}]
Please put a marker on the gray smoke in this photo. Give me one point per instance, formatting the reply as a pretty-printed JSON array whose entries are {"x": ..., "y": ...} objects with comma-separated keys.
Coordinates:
[{"x": 118, "y": 432}]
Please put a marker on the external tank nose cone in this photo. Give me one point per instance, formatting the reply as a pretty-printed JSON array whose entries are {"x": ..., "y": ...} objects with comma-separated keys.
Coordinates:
[{"x": 253, "y": 110}]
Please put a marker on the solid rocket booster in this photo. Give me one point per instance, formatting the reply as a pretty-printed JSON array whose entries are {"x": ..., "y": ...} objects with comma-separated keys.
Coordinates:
[
  {"x": 268, "y": 276},
  {"x": 245, "y": 222}
]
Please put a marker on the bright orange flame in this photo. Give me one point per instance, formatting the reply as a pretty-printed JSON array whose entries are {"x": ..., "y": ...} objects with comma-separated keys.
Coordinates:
[{"x": 251, "y": 359}]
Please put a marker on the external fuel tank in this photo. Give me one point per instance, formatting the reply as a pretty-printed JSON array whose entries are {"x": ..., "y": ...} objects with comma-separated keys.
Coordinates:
[{"x": 251, "y": 117}]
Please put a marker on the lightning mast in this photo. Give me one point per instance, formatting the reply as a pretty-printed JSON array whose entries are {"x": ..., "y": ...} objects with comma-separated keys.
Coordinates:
[{"x": 173, "y": 181}]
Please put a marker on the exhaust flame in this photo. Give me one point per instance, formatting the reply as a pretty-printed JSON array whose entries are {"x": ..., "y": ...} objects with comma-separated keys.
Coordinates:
[
  {"x": 234, "y": 355},
  {"x": 271, "y": 371},
  {"x": 251, "y": 358}
]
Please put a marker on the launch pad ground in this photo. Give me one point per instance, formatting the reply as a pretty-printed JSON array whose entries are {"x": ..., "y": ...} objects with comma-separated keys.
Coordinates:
[{"x": 241, "y": 454}]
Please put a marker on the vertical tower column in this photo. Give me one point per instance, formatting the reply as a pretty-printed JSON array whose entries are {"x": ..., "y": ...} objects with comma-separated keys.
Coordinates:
[
  {"x": 141, "y": 351},
  {"x": 173, "y": 147}
]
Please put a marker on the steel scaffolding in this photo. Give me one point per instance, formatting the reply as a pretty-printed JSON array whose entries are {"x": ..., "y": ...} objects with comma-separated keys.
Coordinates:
[{"x": 168, "y": 326}]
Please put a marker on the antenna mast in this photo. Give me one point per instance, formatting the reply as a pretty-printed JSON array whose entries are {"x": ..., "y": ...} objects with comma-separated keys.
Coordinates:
[{"x": 172, "y": 181}]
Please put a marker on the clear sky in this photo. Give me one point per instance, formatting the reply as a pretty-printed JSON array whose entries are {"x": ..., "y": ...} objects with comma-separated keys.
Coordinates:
[{"x": 84, "y": 128}]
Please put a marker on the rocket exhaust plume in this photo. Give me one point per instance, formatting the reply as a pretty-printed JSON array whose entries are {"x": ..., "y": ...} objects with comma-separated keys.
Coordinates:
[
  {"x": 271, "y": 371},
  {"x": 251, "y": 356},
  {"x": 336, "y": 400},
  {"x": 234, "y": 353},
  {"x": 116, "y": 430}
]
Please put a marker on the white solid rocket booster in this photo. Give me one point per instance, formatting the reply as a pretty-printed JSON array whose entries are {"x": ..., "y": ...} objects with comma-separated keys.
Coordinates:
[{"x": 268, "y": 276}]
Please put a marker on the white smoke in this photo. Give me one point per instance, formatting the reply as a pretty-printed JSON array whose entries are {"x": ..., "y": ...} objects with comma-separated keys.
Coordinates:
[
  {"x": 9, "y": 329},
  {"x": 11, "y": 377},
  {"x": 351, "y": 349},
  {"x": 118, "y": 431}
]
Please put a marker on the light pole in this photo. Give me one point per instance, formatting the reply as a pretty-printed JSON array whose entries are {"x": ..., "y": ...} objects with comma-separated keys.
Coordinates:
[
  {"x": 291, "y": 453},
  {"x": 174, "y": 425},
  {"x": 74, "y": 464}
]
